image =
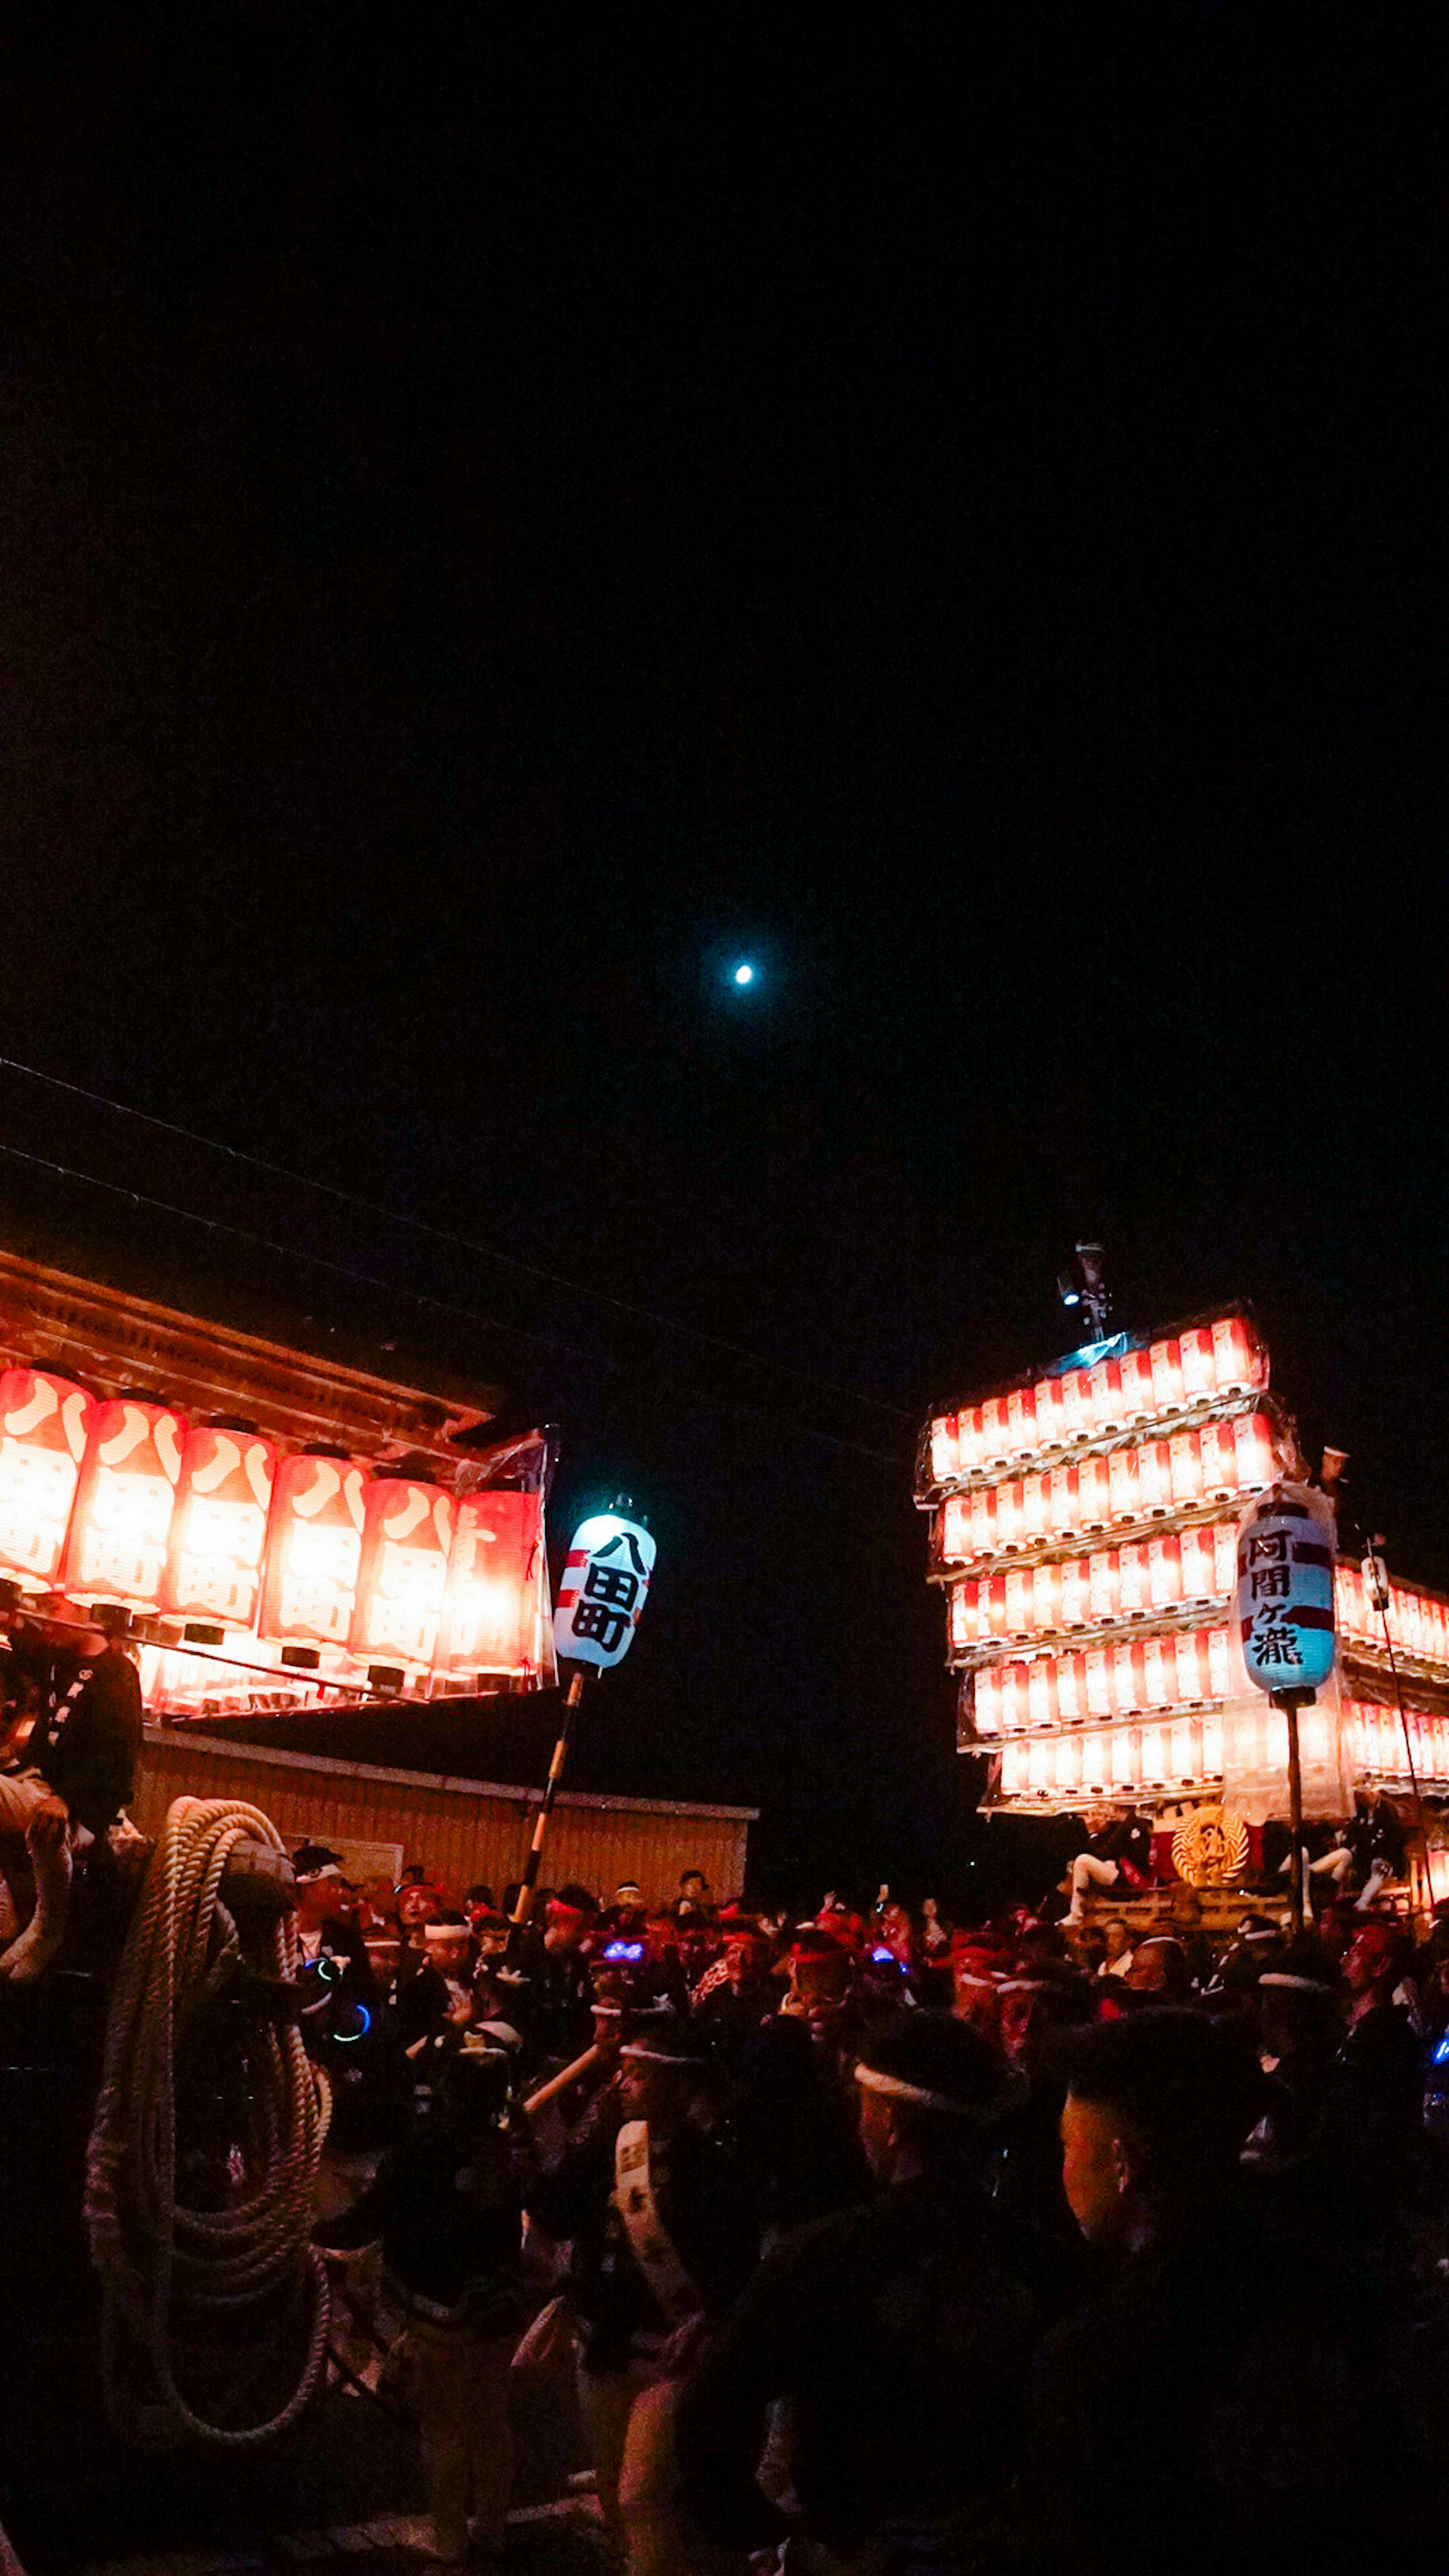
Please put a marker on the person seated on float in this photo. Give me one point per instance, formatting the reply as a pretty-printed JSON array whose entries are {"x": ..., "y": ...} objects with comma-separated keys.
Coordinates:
[
  {"x": 1118, "y": 1848},
  {"x": 75, "y": 1773}
]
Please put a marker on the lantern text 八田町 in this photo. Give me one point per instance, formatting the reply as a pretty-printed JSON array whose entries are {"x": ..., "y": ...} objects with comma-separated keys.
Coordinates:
[
  {"x": 121, "y": 1524},
  {"x": 219, "y": 1532}
]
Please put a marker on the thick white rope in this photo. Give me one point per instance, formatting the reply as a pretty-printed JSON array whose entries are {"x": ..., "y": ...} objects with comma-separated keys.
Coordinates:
[{"x": 167, "y": 2269}]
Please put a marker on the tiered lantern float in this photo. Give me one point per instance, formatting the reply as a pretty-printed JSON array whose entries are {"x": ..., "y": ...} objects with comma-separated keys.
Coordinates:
[
  {"x": 261, "y": 1573},
  {"x": 1084, "y": 1527}
]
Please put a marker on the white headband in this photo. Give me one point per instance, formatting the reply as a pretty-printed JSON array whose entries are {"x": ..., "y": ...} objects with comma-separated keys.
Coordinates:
[
  {"x": 310, "y": 1877},
  {"x": 871, "y": 2080},
  {"x": 1300, "y": 1985},
  {"x": 656, "y": 2056},
  {"x": 988, "y": 1984}
]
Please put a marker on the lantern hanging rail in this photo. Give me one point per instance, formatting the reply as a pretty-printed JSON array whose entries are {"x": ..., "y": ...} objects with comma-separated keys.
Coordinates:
[{"x": 293, "y": 1675}]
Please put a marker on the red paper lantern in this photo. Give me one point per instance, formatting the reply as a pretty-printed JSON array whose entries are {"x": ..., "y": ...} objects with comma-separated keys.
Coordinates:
[
  {"x": 995, "y": 1435},
  {"x": 1093, "y": 1494},
  {"x": 1051, "y": 1418},
  {"x": 1154, "y": 1468},
  {"x": 1018, "y": 1588},
  {"x": 1071, "y": 1689},
  {"x": 1076, "y": 1593},
  {"x": 1104, "y": 1395},
  {"x": 1253, "y": 1444},
  {"x": 1134, "y": 1582},
  {"x": 124, "y": 1500},
  {"x": 1076, "y": 1407},
  {"x": 1013, "y": 1698},
  {"x": 1199, "y": 1369},
  {"x": 1218, "y": 1451},
  {"x": 1199, "y": 1580},
  {"x": 983, "y": 1521},
  {"x": 314, "y": 1550},
  {"x": 1225, "y": 1557},
  {"x": 1046, "y": 1600},
  {"x": 1041, "y": 1696},
  {"x": 1034, "y": 1507},
  {"x": 1186, "y": 1469},
  {"x": 219, "y": 1528},
  {"x": 1159, "y": 1673},
  {"x": 1021, "y": 1421},
  {"x": 957, "y": 1543},
  {"x": 1124, "y": 1485},
  {"x": 490, "y": 1615},
  {"x": 1127, "y": 1678},
  {"x": 986, "y": 1699},
  {"x": 407, "y": 1541},
  {"x": 1164, "y": 1561},
  {"x": 969, "y": 1449},
  {"x": 1104, "y": 1580},
  {"x": 1238, "y": 1357},
  {"x": 1139, "y": 1402},
  {"x": 1010, "y": 1515},
  {"x": 1168, "y": 1394},
  {"x": 1191, "y": 1663},
  {"x": 945, "y": 1450},
  {"x": 44, "y": 1421}
]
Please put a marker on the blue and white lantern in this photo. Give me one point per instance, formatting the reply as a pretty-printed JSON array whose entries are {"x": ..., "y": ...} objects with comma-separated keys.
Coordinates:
[
  {"x": 1285, "y": 1590},
  {"x": 605, "y": 1582}
]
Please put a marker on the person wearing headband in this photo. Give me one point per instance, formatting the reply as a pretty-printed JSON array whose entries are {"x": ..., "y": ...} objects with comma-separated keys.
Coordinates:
[
  {"x": 663, "y": 2236},
  {"x": 1231, "y": 2395},
  {"x": 896, "y": 2335}
]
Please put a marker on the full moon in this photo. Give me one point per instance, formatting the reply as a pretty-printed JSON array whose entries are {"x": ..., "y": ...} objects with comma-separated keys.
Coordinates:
[{"x": 744, "y": 974}]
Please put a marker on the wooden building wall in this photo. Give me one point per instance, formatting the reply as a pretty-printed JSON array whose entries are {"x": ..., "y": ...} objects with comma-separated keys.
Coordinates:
[{"x": 463, "y": 1830}]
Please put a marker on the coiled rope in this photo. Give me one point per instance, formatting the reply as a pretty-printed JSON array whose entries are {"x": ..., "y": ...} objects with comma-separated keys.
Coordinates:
[{"x": 227, "y": 2277}]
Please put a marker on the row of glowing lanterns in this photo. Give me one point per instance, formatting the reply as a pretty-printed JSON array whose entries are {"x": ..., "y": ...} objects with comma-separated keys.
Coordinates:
[
  {"x": 1211, "y": 1364},
  {"x": 1418, "y": 1624},
  {"x": 1190, "y": 1752},
  {"x": 1161, "y": 1575},
  {"x": 1098, "y": 1683},
  {"x": 1221, "y": 1462},
  {"x": 120, "y": 1500},
  {"x": 1134, "y": 1582}
]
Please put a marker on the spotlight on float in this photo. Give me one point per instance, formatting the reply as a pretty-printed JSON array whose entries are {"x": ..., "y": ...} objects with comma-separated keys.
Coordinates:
[{"x": 1084, "y": 1284}]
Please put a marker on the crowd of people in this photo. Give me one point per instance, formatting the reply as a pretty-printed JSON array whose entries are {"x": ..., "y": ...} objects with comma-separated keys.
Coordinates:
[{"x": 872, "y": 2242}]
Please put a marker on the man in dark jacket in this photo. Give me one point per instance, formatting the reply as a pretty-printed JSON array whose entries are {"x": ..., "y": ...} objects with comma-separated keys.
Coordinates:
[
  {"x": 894, "y": 2338},
  {"x": 77, "y": 1771},
  {"x": 1230, "y": 2398},
  {"x": 444, "y": 2207}
]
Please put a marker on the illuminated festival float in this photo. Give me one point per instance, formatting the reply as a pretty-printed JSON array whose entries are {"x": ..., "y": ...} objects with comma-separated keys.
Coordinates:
[
  {"x": 285, "y": 1532},
  {"x": 1084, "y": 1529}
]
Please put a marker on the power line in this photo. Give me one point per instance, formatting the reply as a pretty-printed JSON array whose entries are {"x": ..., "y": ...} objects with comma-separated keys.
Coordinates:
[
  {"x": 444, "y": 1305},
  {"x": 459, "y": 1242}
]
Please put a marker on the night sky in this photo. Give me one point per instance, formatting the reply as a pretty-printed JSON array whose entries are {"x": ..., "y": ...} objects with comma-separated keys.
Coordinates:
[{"x": 501, "y": 519}]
